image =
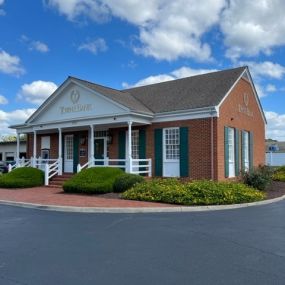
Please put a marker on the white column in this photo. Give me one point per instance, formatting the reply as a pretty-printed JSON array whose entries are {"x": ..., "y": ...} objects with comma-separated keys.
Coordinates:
[
  {"x": 59, "y": 143},
  {"x": 60, "y": 151},
  {"x": 130, "y": 147},
  {"x": 92, "y": 144},
  {"x": 18, "y": 149},
  {"x": 35, "y": 148}
]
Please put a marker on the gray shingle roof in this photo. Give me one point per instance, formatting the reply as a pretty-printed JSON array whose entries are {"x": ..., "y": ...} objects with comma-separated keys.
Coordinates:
[
  {"x": 188, "y": 93},
  {"x": 123, "y": 98}
]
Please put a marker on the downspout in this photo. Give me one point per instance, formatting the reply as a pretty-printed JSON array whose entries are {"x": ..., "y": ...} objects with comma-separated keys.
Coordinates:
[{"x": 213, "y": 112}]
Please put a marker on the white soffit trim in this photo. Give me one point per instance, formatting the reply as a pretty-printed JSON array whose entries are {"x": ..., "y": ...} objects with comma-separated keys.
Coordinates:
[
  {"x": 200, "y": 113},
  {"x": 249, "y": 79}
]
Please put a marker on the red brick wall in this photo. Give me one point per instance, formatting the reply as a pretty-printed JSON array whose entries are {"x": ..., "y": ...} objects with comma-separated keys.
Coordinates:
[
  {"x": 199, "y": 144},
  {"x": 231, "y": 117},
  {"x": 54, "y": 145}
]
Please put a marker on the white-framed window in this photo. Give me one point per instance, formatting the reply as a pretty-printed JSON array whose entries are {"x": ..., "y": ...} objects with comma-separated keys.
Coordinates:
[
  {"x": 171, "y": 143},
  {"x": 45, "y": 142},
  {"x": 231, "y": 150},
  {"x": 245, "y": 150},
  {"x": 135, "y": 144}
]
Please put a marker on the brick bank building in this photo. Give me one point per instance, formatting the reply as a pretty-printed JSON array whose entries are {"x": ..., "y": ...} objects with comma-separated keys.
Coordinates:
[{"x": 208, "y": 126}]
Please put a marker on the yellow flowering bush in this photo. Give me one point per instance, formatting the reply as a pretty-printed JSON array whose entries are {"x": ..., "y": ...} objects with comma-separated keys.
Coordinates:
[{"x": 202, "y": 192}]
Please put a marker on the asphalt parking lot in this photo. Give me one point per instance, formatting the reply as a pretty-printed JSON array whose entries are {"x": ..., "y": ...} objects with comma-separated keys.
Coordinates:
[{"x": 242, "y": 246}]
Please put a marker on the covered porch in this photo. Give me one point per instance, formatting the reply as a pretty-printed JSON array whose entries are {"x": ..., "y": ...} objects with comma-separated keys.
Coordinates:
[{"x": 70, "y": 149}]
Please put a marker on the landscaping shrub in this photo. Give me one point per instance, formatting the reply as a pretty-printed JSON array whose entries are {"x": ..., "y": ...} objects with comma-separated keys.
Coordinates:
[
  {"x": 23, "y": 177},
  {"x": 259, "y": 178},
  {"x": 279, "y": 174},
  {"x": 193, "y": 193},
  {"x": 126, "y": 181},
  {"x": 93, "y": 180}
]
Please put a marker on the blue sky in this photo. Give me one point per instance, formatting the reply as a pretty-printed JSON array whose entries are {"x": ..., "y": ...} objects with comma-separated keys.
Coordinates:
[{"x": 121, "y": 43}]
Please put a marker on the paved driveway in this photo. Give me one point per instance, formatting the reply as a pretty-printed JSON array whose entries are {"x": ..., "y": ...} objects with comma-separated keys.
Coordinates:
[{"x": 243, "y": 246}]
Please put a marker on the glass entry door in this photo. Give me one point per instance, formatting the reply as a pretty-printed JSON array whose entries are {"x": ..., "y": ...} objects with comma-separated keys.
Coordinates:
[{"x": 68, "y": 153}]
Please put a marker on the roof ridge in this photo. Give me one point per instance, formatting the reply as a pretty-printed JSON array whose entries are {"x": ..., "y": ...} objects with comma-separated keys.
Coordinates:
[
  {"x": 90, "y": 82},
  {"x": 187, "y": 77}
]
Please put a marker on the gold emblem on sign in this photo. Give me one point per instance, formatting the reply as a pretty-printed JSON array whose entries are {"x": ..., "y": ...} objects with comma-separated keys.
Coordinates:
[{"x": 74, "y": 96}]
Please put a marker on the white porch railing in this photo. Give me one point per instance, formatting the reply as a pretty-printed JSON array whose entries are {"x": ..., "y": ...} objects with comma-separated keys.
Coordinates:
[
  {"x": 22, "y": 162},
  {"x": 94, "y": 162},
  {"x": 136, "y": 166},
  {"x": 140, "y": 166},
  {"x": 52, "y": 169}
]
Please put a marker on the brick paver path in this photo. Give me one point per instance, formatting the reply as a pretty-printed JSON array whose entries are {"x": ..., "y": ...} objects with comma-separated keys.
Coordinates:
[{"x": 56, "y": 196}]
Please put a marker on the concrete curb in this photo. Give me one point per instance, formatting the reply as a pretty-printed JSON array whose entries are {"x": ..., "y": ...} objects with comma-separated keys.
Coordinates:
[{"x": 131, "y": 210}]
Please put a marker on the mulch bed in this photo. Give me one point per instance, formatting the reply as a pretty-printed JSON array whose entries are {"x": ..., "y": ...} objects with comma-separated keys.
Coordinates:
[{"x": 276, "y": 189}]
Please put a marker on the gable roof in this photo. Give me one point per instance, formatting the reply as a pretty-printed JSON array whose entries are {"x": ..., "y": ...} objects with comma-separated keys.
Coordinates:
[
  {"x": 193, "y": 92},
  {"x": 123, "y": 98},
  {"x": 200, "y": 91}
]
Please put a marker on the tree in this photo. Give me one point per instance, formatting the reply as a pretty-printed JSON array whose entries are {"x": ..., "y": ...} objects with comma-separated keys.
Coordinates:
[{"x": 12, "y": 138}]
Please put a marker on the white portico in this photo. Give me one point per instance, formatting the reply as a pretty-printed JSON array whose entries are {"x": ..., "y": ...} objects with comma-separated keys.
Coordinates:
[{"x": 75, "y": 128}]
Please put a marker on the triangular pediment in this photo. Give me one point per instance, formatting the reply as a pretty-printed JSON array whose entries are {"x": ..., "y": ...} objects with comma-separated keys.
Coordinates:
[{"x": 74, "y": 101}]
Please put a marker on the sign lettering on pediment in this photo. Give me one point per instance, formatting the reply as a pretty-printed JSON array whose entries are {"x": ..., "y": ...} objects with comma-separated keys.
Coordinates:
[
  {"x": 75, "y": 107},
  {"x": 243, "y": 108}
]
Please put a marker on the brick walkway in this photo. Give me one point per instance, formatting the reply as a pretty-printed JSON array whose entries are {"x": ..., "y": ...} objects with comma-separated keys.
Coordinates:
[{"x": 55, "y": 196}]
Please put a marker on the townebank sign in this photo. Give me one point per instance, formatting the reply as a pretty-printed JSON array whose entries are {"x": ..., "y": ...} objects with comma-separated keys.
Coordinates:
[
  {"x": 243, "y": 108},
  {"x": 76, "y": 107}
]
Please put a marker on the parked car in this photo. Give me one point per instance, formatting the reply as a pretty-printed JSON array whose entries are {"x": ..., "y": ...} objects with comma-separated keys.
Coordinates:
[{"x": 3, "y": 167}]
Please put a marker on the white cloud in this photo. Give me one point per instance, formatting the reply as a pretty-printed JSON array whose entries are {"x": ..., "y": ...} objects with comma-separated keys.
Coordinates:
[
  {"x": 74, "y": 9},
  {"x": 260, "y": 90},
  {"x": 252, "y": 27},
  {"x": 37, "y": 91},
  {"x": 3, "y": 100},
  {"x": 13, "y": 117},
  {"x": 2, "y": 12},
  {"x": 275, "y": 126},
  {"x": 271, "y": 88},
  {"x": 265, "y": 69},
  {"x": 94, "y": 46},
  {"x": 39, "y": 46},
  {"x": 10, "y": 64},
  {"x": 168, "y": 30},
  {"x": 35, "y": 45},
  {"x": 178, "y": 73}
]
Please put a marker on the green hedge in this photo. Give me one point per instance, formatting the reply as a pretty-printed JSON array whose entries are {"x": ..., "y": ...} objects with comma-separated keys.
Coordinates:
[
  {"x": 93, "y": 180},
  {"x": 23, "y": 177},
  {"x": 126, "y": 181},
  {"x": 193, "y": 193}
]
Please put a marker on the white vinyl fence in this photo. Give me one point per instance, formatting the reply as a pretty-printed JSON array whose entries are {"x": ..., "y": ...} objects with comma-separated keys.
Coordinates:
[{"x": 275, "y": 158}]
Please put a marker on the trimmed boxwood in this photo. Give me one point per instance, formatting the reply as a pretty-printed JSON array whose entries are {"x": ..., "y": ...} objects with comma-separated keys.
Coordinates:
[
  {"x": 259, "y": 177},
  {"x": 96, "y": 180},
  {"x": 126, "y": 181},
  {"x": 193, "y": 193},
  {"x": 23, "y": 177}
]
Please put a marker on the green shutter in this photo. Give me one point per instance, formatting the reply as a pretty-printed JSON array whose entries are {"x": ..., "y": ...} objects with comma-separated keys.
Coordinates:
[
  {"x": 122, "y": 145},
  {"x": 142, "y": 144},
  {"x": 184, "y": 155},
  {"x": 226, "y": 143},
  {"x": 242, "y": 151},
  {"x": 158, "y": 152},
  {"x": 237, "y": 148},
  {"x": 251, "y": 150},
  {"x": 75, "y": 152}
]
